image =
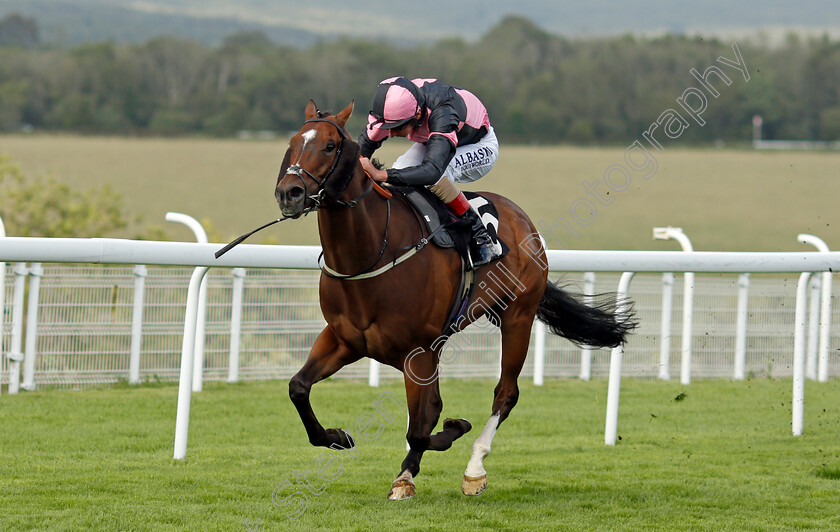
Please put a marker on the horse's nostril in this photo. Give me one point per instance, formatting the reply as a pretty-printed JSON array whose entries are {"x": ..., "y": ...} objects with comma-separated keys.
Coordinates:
[
  {"x": 291, "y": 195},
  {"x": 295, "y": 193}
]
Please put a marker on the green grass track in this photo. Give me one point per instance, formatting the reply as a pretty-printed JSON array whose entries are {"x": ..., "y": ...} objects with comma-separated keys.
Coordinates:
[{"x": 721, "y": 458}]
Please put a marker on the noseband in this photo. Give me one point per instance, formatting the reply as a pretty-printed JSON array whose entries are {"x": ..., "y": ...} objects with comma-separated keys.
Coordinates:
[{"x": 318, "y": 197}]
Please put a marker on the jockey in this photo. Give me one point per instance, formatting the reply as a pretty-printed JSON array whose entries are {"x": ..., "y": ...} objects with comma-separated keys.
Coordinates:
[{"x": 454, "y": 143}]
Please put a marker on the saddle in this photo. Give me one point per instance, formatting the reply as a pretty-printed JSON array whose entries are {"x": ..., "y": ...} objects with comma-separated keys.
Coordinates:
[{"x": 448, "y": 231}]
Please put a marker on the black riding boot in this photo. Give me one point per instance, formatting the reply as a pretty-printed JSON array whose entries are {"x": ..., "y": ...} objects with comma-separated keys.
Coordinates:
[{"x": 482, "y": 248}]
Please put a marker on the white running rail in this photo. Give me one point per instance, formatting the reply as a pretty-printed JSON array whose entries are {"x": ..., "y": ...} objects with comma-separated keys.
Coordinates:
[{"x": 117, "y": 251}]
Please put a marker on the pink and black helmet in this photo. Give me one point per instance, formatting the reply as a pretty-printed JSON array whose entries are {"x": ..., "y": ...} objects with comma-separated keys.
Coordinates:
[{"x": 395, "y": 103}]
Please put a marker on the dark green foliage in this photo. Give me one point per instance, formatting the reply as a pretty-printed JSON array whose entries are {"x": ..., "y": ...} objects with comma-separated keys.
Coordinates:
[
  {"x": 17, "y": 30},
  {"x": 49, "y": 208},
  {"x": 537, "y": 86}
]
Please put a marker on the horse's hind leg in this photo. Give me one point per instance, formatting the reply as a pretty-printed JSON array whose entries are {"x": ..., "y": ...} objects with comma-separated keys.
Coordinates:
[
  {"x": 516, "y": 335},
  {"x": 327, "y": 356}
]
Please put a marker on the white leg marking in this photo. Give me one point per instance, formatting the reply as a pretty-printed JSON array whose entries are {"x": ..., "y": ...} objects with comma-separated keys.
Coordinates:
[
  {"x": 481, "y": 448},
  {"x": 406, "y": 476}
]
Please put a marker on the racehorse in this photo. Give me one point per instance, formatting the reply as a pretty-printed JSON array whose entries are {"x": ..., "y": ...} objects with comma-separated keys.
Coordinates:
[{"x": 381, "y": 305}]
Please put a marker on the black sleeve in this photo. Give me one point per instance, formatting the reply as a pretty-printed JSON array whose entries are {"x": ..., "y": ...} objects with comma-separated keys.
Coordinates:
[
  {"x": 367, "y": 146},
  {"x": 439, "y": 151},
  {"x": 445, "y": 118}
]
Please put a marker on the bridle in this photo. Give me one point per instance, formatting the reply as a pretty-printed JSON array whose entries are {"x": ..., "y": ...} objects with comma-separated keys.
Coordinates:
[
  {"x": 319, "y": 196},
  {"x": 319, "y": 203}
]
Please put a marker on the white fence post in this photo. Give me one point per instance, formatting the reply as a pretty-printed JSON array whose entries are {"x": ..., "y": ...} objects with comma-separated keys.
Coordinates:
[
  {"x": 140, "y": 273},
  {"x": 373, "y": 373},
  {"x": 586, "y": 351},
  {"x": 182, "y": 417},
  {"x": 825, "y": 328},
  {"x": 798, "y": 402},
  {"x": 665, "y": 326},
  {"x": 35, "y": 274},
  {"x": 539, "y": 353},
  {"x": 813, "y": 327},
  {"x": 676, "y": 233},
  {"x": 825, "y": 309},
  {"x": 236, "y": 322},
  {"x": 15, "y": 353},
  {"x": 687, "y": 326},
  {"x": 616, "y": 356},
  {"x": 741, "y": 326},
  {"x": 198, "y": 346}
]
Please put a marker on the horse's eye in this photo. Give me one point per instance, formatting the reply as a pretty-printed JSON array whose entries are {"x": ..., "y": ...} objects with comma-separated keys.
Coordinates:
[{"x": 330, "y": 147}]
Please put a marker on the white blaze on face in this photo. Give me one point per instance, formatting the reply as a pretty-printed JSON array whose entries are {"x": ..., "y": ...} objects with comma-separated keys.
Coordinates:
[{"x": 307, "y": 136}]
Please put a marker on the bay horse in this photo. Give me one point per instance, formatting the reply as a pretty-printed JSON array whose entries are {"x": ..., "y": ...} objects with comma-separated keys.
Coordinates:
[{"x": 394, "y": 312}]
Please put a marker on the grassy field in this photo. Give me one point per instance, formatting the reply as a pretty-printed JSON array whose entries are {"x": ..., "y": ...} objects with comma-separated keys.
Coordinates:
[
  {"x": 734, "y": 200},
  {"x": 723, "y": 458}
]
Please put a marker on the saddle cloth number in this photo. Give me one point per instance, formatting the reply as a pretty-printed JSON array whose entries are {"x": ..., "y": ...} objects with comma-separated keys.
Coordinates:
[{"x": 491, "y": 223}]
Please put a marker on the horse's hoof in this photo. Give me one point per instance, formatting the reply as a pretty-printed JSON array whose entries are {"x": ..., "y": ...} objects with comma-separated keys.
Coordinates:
[
  {"x": 473, "y": 486},
  {"x": 401, "y": 490},
  {"x": 340, "y": 438},
  {"x": 460, "y": 425},
  {"x": 403, "y": 487}
]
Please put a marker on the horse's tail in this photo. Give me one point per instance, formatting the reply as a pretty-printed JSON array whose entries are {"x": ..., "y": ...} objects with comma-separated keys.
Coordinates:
[{"x": 595, "y": 324}]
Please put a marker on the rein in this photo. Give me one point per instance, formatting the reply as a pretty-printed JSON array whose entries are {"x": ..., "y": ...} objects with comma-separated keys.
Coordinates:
[{"x": 349, "y": 204}]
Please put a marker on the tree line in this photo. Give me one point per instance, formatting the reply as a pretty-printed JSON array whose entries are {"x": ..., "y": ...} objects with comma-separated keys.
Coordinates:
[{"x": 538, "y": 87}]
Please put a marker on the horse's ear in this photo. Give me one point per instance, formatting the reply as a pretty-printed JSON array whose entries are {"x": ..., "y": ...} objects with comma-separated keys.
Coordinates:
[
  {"x": 344, "y": 115},
  {"x": 311, "y": 110}
]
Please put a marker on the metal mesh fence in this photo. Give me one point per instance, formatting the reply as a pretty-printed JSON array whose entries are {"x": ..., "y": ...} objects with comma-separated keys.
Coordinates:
[
  {"x": 85, "y": 316},
  {"x": 84, "y": 325}
]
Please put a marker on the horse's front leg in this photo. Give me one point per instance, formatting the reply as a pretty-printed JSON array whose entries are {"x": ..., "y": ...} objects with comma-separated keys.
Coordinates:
[
  {"x": 327, "y": 356},
  {"x": 424, "y": 407}
]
